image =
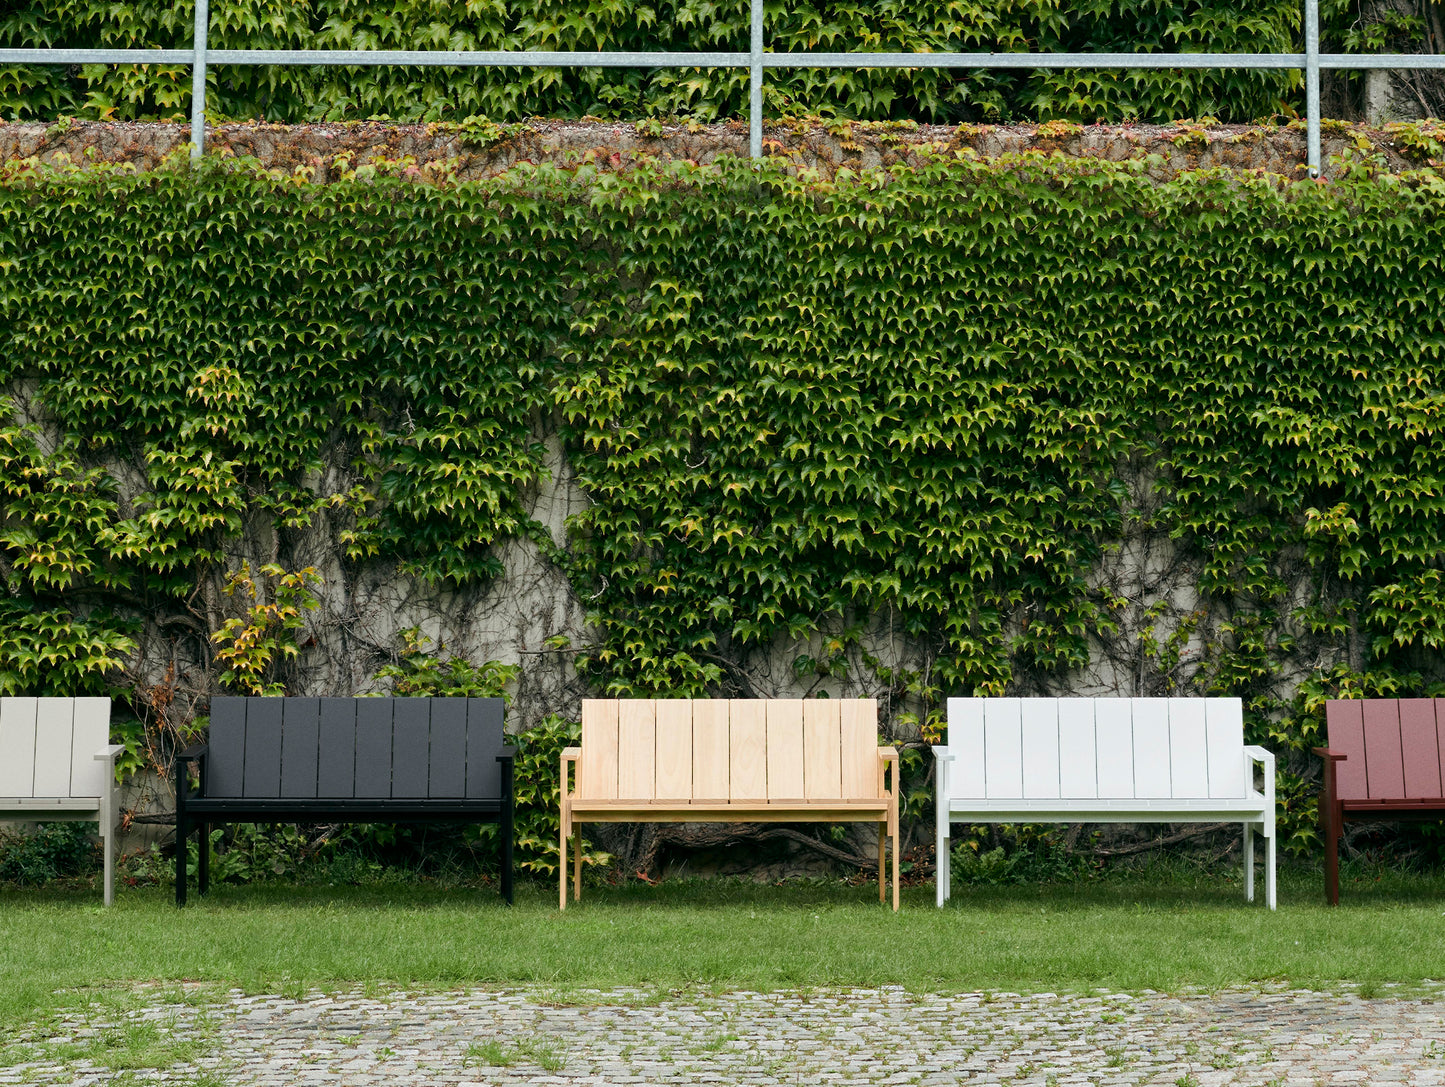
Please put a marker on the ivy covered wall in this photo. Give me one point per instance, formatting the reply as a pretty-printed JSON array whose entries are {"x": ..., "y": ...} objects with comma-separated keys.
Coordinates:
[{"x": 1031, "y": 425}]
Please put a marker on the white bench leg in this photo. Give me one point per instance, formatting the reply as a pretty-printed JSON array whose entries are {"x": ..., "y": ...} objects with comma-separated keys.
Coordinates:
[
  {"x": 943, "y": 865},
  {"x": 1249, "y": 862},
  {"x": 1269, "y": 894}
]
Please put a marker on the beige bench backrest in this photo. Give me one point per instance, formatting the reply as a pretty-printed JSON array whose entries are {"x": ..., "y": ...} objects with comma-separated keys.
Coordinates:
[
  {"x": 48, "y": 748},
  {"x": 739, "y": 750}
]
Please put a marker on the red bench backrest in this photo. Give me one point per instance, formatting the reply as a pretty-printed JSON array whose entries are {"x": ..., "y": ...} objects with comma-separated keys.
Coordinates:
[{"x": 1395, "y": 747}]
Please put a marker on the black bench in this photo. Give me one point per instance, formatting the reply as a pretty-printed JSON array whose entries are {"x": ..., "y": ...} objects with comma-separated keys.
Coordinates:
[{"x": 355, "y": 760}]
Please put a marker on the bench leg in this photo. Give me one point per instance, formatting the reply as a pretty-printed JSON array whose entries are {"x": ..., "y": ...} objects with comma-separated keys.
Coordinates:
[
  {"x": 203, "y": 860},
  {"x": 942, "y": 864},
  {"x": 182, "y": 830},
  {"x": 895, "y": 866},
  {"x": 882, "y": 873},
  {"x": 577, "y": 866},
  {"x": 1269, "y": 895},
  {"x": 1331, "y": 828},
  {"x": 562, "y": 872},
  {"x": 1249, "y": 862}
]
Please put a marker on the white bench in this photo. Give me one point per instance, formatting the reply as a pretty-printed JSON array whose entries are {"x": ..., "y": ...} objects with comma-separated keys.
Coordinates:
[
  {"x": 1103, "y": 760},
  {"x": 57, "y": 763}
]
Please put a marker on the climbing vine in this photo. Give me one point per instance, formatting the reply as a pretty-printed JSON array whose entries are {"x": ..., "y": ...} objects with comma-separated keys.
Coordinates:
[{"x": 970, "y": 426}]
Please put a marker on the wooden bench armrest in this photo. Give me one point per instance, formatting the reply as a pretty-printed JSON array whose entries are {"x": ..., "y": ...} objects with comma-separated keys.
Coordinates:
[
  {"x": 1329, "y": 754},
  {"x": 571, "y": 754}
]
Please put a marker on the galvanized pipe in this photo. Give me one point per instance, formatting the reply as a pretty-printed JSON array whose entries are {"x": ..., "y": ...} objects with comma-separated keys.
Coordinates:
[
  {"x": 1312, "y": 84},
  {"x": 198, "y": 80},
  {"x": 442, "y": 58},
  {"x": 755, "y": 83}
]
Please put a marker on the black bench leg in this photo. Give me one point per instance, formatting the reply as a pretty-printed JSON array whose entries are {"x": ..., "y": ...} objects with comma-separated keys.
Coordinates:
[
  {"x": 203, "y": 864},
  {"x": 182, "y": 831},
  {"x": 507, "y": 831}
]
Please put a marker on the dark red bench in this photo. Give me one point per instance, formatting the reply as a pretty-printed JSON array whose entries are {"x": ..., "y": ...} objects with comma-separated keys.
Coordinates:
[{"x": 1384, "y": 762}]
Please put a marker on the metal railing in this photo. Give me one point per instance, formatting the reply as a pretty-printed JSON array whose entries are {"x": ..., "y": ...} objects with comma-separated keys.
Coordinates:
[{"x": 199, "y": 57}]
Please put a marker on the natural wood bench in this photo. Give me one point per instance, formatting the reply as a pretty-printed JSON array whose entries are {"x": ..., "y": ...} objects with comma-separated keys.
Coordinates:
[
  {"x": 729, "y": 761},
  {"x": 57, "y": 763},
  {"x": 351, "y": 760},
  {"x": 1385, "y": 761},
  {"x": 1103, "y": 760}
]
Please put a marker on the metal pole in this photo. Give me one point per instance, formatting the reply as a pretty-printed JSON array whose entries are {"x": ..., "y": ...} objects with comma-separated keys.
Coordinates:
[
  {"x": 198, "y": 80},
  {"x": 1312, "y": 84},
  {"x": 755, "y": 87}
]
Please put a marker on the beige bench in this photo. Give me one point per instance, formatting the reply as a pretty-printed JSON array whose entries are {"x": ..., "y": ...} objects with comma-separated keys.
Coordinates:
[{"x": 681, "y": 760}]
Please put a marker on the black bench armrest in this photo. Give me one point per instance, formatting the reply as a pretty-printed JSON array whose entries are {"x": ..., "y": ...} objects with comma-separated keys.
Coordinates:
[
  {"x": 508, "y": 753},
  {"x": 194, "y": 753}
]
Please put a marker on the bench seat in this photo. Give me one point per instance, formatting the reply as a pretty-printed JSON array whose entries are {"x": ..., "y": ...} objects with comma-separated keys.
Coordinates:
[
  {"x": 57, "y": 764},
  {"x": 357, "y": 760},
  {"x": 678, "y": 760},
  {"x": 1102, "y": 760}
]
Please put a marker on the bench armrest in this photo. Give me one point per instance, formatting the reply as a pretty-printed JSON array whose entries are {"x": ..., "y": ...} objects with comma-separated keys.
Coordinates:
[
  {"x": 571, "y": 754},
  {"x": 507, "y": 755},
  {"x": 1259, "y": 754},
  {"x": 195, "y": 751},
  {"x": 109, "y": 753},
  {"x": 1329, "y": 755},
  {"x": 943, "y": 754}
]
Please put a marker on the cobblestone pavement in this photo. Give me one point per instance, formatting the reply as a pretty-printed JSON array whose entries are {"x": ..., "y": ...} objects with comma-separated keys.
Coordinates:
[{"x": 834, "y": 1037}]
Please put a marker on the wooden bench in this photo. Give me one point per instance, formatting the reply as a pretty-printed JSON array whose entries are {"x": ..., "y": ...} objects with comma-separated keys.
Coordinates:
[
  {"x": 729, "y": 761},
  {"x": 1103, "y": 760},
  {"x": 352, "y": 760},
  {"x": 57, "y": 763},
  {"x": 1384, "y": 762}
]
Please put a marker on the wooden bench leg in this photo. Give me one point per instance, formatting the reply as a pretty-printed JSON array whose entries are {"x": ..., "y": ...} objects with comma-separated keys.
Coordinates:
[
  {"x": 1269, "y": 892},
  {"x": 577, "y": 866},
  {"x": 1249, "y": 862},
  {"x": 882, "y": 876},
  {"x": 562, "y": 872},
  {"x": 895, "y": 863},
  {"x": 1331, "y": 829}
]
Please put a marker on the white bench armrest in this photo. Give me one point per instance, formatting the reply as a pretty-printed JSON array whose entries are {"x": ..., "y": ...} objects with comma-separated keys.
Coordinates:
[
  {"x": 110, "y": 753},
  {"x": 1259, "y": 754},
  {"x": 943, "y": 753}
]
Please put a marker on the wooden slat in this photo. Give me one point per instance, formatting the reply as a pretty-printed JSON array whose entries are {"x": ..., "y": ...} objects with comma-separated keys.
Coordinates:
[
  {"x": 1114, "y": 737},
  {"x": 822, "y": 749},
  {"x": 597, "y": 774},
  {"x": 373, "y": 748},
  {"x": 1384, "y": 761},
  {"x": 1345, "y": 722},
  {"x": 785, "y": 748},
  {"x": 447, "y": 765},
  {"x": 1003, "y": 748},
  {"x": 636, "y": 748},
  {"x": 858, "y": 725},
  {"x": 1040, "y": 728},
  {"x": 263, "y": 747},
  {"x": 300, "y": 746},
  {"x": 1151, "y": 747},
  {"x": 89, "y": 777},
  {"x": 226, "y": 744},
  {"x": 336, "y": 748},
  {"x": 1420, "y": 746},
  {"x": 710, "y": 749},
  {"x": 410, "y": 747},
  {"x": 965, "y": 740},
  {"x": 17, "y": 747},
  {"x": 1078, "y": 759},
  {"x": 486, "y": 736},
  {"x": 1224, "y": 732},
  {"x": 1189, "y": 749},
  {"x": 54, "y": 732},
  {"x": 674, "y": 749},
  {"x": 748, "y": 749}
]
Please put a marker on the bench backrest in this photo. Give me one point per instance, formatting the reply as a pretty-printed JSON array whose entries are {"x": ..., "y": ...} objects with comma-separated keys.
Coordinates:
[
  {"x": 1096, "y": 748},
  {"x": 1395, "y": 747},
  {"x": 48, "y": 747},
  {"x": 355, "y": 748},
  {"x": 729, "y": 750}
]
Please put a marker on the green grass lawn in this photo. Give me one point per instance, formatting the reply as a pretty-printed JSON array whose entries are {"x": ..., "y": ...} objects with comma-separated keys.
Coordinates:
[{"x": 1160, "y": 928}]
